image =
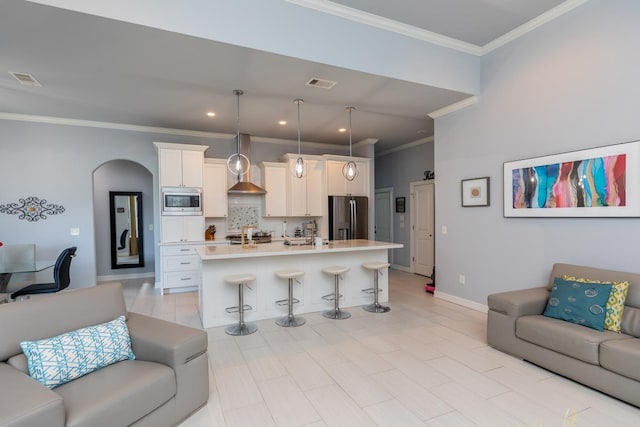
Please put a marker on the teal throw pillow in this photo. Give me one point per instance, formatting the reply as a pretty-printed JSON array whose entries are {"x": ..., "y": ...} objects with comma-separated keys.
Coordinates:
[
  {"x": 581, "y": 303},
  {"x": 58, "y": 360}
]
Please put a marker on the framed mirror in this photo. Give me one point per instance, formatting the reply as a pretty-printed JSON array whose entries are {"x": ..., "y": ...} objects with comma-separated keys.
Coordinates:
[{"x": 126, "y": 229}]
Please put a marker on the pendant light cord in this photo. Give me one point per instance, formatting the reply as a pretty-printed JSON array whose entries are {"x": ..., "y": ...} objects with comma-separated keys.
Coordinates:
[{"x": 238, "y": 92}]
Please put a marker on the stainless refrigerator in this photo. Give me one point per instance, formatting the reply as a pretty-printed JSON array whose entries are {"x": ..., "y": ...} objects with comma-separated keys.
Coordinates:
[{"x": 348, "y": 217}]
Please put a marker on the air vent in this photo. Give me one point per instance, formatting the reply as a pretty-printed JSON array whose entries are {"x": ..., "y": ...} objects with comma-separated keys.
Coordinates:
[
  {"x": 25, "y": 79},
  {"x": 321, "y": 83}
]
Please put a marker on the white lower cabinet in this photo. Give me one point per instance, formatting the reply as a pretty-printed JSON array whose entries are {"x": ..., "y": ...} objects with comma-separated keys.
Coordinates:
[{"x": 180, "y": 267}]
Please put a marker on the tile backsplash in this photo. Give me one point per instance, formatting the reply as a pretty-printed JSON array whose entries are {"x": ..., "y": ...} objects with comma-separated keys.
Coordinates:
[{"x": 240, "y": 215}]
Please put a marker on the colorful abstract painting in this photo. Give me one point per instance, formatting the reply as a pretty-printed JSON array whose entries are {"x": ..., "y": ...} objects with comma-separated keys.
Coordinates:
[
  {"x": 578, "y": 184},
  {"x": 597, "y": 182}
]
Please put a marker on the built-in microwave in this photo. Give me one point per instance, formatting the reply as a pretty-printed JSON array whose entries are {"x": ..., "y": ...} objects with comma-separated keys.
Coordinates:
[{"x": 181, "y": 201}]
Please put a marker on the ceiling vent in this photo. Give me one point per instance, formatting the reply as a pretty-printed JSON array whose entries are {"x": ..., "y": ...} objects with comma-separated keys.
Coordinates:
[
  {"x": 25, "y": 79},
  {"x": 321, "y": 83}
]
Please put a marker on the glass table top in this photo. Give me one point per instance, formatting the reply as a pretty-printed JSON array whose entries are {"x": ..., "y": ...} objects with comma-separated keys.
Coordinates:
[{"x": 26, "y": 267}]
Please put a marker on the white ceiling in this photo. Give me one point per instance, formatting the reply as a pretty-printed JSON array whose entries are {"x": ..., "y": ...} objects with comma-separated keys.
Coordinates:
[{"x": 93, "y": 68}]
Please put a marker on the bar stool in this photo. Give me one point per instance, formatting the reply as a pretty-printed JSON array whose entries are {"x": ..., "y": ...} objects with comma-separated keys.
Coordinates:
[
  {"x": 289, "y": 320},
  {"x": 377, "y": 267},
  {"x": 337, "y": 271},
  {"x": 241, "y": 328}
]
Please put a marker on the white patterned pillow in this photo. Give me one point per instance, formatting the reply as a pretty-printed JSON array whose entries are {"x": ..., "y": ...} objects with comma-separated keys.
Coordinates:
[{"x": 58, "y": 360}]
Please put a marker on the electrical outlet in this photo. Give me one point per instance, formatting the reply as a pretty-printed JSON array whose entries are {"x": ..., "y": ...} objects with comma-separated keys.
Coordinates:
[
  {"x": 461, "y": 279},
  {"x": 74, "y": 231}
]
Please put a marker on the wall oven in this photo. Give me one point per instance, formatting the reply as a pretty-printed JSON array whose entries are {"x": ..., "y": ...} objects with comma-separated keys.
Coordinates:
[{"x": 181, "y": 201}]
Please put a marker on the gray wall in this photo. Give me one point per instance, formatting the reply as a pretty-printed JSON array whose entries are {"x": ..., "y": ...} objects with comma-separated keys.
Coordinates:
[
  {"x": 56, "y": 163},
  {"x": 570, "y": 84},
  {"x": 397, "y": 170}
]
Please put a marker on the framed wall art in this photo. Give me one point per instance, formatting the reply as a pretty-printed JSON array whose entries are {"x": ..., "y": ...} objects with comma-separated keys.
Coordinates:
[
  {"x": 597, "y": 182},
  {"x": 400, "y": 207},
  {"x": 475, "y": 192}
]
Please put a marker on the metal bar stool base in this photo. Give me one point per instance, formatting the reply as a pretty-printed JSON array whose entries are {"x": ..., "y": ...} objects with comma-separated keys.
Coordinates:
[
  {"x": 336, "y": 314},
  {"x": 375, "y": 308},
  {"x": 290, "y": 322},
  {"x": 244, "y": 329}
]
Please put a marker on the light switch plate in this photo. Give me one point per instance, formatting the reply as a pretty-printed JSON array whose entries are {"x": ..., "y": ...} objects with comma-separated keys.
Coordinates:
[{"x": 74, "y": 231}]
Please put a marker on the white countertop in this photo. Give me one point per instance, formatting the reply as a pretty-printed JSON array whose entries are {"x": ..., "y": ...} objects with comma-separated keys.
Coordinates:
[{"x": 279, "y": 249}]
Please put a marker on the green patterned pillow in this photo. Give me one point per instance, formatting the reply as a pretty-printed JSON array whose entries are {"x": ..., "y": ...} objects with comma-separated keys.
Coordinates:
[{"x": 615, "y": 303}]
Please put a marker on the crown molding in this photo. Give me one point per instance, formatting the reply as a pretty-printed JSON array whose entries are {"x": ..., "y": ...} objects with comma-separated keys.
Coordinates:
[
  {"x": 536, "y": 22},
  {"x": 406, "y": 146},
  {"x": 472, "y": 100},
  {"x": 435, "y": 38},
  {"x": 388, "y": 25}
]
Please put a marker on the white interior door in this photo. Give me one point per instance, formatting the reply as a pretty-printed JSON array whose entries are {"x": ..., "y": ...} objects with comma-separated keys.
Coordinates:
[
  {"x": 422, "y": 227},
  {"x": 383, "y": 231}
]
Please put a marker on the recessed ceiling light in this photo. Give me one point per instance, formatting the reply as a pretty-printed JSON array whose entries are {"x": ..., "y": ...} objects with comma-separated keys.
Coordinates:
[
  {"x": 342, "y": 130},
  {"x": 211, "y": 114},
  {"x": 282, "y": 122}
]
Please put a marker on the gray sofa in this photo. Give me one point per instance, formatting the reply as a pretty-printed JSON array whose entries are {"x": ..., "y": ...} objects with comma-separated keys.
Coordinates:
[
  {"x": 167, "y": 381},
  {"x": 604, "y": 360}
]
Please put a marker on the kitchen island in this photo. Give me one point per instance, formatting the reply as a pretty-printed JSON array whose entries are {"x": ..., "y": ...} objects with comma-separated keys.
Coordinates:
[{"x": 265, "y": 259}]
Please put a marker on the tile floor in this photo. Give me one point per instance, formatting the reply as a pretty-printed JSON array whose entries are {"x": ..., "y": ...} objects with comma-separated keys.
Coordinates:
[{"x": 425, "y": 363}]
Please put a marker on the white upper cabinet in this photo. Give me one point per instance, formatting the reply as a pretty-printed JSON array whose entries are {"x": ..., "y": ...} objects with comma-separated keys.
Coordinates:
[
  {"x": 274, "y": 177},
  {"x": 181, "y": 165},
  {"x": 337, "y": 184},
  {"x": 306, "y": 196},
  {"x": 215, "y": 188},
  {"x": 184, "y": 229}
]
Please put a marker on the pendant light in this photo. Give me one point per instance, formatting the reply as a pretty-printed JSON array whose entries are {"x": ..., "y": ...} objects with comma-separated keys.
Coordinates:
[
  {"x": 238, "y": 164},
  {"x": 350, "y": 169},
  {"x": 300, "y": 161}
]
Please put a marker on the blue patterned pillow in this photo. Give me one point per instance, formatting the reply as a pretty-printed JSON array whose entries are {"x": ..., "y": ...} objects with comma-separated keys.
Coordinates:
[
  {"x": 58, "y": 360},
  {"x": 577, "y": 302}
]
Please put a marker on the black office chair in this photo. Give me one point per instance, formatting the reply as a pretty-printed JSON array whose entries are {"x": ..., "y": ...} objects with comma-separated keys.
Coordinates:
[
  {"x": 60, "y": 275},
  {"x": 123, "y": 239}
]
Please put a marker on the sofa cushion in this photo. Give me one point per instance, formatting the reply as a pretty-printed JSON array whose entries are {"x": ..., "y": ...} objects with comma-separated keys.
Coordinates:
[
  {"x": 622, "y": 357},
  {"x": 117, "y": 395},
  {"x": 25, "y": 402},
  {"x": 615, "y": 303},
  {"x": 564, "y": 337},
  {"x": 19, "y": 361},
  {"x": 579, "y": 302},
  {"x": 60, "y": 359},
  {"x": 631, "y": 321}
]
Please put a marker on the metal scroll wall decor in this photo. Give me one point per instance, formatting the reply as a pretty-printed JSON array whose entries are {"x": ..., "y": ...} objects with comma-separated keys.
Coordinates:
[{"x": 32, "y": 209}]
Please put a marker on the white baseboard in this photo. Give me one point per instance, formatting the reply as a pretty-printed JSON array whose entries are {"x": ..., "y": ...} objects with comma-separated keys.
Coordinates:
[
  {"x": 115, "y": 277},
  {"x": 461, "y": 301},
  {"x": 401, "y": 268}
]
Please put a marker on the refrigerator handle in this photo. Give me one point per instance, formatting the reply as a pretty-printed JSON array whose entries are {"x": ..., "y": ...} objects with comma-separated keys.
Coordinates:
[{"x": 354, "y": 218}]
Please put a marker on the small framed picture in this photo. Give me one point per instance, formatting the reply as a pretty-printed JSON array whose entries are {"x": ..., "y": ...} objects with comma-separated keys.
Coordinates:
[
  {"x": 400, "y": 204},
  {"x": 475, "y": 192}
]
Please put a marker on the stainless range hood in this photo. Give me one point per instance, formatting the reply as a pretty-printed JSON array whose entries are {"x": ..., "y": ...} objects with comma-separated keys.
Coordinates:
[{"x": 244, "y": 184}]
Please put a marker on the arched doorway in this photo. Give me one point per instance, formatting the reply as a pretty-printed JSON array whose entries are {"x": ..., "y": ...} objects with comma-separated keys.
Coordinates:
[{"x": 124, "y": 176}]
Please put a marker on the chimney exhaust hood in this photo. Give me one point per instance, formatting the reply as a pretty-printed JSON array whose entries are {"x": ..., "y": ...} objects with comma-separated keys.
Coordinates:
[{"x": 244, "y": 184}]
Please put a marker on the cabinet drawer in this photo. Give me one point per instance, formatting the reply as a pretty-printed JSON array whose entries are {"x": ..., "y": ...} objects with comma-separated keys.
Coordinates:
[
  {"x": 179, "y": 250},
  {"x": 181, "y": 263},
  {"x": 180, "y": 279}
]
